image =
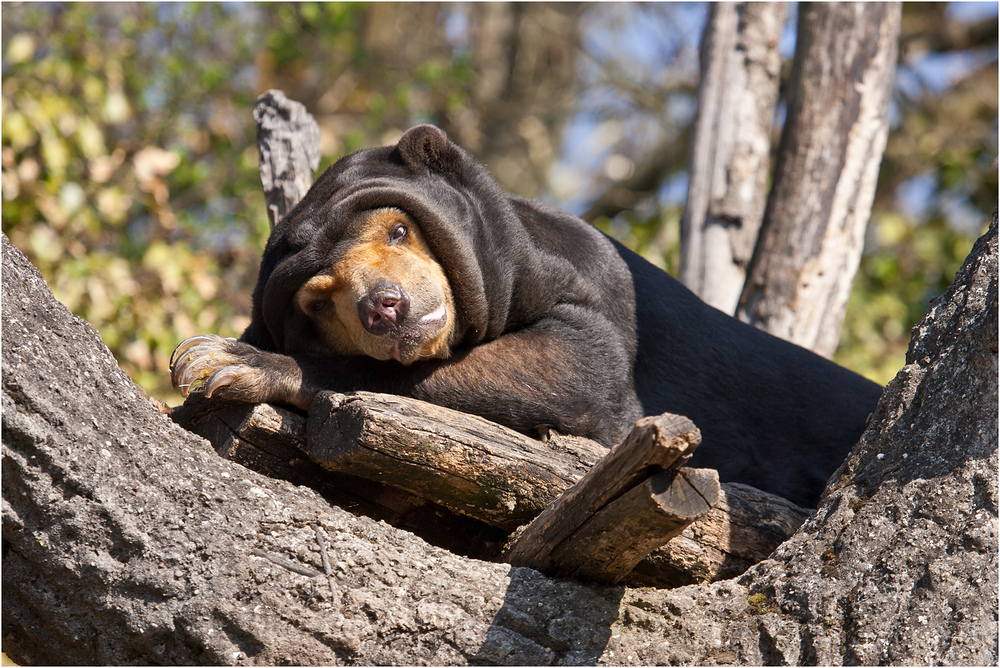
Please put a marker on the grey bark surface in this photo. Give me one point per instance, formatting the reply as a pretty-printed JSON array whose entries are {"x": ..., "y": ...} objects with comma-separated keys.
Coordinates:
[
  {"x": 812, "y": 235},
  {"x": 730, "y": 148},
  {"x": 288, "y": 141},
  {"x": 128, "y": 540},
  {"x": 451, "y": 478}
]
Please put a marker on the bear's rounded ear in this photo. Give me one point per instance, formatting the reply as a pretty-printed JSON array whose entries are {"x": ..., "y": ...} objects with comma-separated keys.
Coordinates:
[{"x": 427, "y": 146}]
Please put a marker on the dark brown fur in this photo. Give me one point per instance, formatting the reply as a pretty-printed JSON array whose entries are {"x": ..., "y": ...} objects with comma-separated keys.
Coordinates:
[{"x": 522, "y": 314}]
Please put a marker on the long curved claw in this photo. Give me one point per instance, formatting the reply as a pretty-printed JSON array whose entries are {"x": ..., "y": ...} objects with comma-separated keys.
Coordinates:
[
  {"x": 190, "y": 371},
  {"x": 189, "y": 343},
  {"x": 222, "y": 378},
  {"x": 194, "y": 341},
  {"x": 198, "y": 358}
]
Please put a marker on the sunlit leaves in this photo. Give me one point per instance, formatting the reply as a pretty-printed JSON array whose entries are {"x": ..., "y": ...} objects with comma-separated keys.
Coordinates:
[
  {"x": 20, "y": 48},
  {"x": 130, "y": 170},
  {"x": 105, "y": 141}
]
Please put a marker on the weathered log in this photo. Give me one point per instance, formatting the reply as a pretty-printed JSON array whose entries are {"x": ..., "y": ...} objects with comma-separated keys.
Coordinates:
[
  {"x": 477, "y": 468},
  {"x": 271, "y": 439},
  {"x": 462, "y": 462},
  {"x": 261, "y": 437},
  {"x": 288, "y": 140},
  {"x": 392, "y": 446},
  {"x": 654, "y": 444},
  {"x": 617, "y": 537}
]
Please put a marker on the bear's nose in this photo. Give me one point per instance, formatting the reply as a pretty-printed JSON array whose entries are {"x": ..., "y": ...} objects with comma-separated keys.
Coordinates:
[{"x": 384, "y": 308}]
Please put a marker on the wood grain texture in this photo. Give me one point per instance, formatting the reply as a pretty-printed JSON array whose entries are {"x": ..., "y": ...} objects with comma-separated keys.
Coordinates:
[
  {"x": 609, "y": 545},
  {"x": 654, "y": 444},
  {"x": 742, "y": 529},
  {"x": 462, "y": 462}
]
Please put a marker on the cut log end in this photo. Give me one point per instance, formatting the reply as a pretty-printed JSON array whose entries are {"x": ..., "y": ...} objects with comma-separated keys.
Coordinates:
[{"x": 633, "y": 501}]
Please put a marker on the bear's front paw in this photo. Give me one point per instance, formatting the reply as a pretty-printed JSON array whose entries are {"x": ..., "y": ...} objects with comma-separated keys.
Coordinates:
[{"x": 212, "y": 364}]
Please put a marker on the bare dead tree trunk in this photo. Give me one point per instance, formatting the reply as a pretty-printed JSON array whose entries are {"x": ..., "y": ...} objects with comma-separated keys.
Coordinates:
[
  {"x": 288, "y": 141},
  {"x": 812, "y": 236},
  {"x": 730, "y": 148}
]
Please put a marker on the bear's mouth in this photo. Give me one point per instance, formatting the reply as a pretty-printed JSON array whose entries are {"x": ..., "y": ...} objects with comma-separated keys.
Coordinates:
[{"x": 421, "y": 339}]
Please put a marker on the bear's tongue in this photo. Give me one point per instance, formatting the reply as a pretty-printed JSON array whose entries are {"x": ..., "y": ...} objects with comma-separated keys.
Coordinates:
[
  {"x": 436, "y": 314},
  {"x": 409, "y": 337}
]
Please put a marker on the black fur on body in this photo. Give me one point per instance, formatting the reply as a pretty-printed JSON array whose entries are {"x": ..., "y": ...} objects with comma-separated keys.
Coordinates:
[{"x": 554, "y": 324}]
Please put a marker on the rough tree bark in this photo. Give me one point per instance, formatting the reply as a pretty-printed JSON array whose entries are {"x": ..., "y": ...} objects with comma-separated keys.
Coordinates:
[
  {"x": 288, "y": 140},
  {"x": 128, "y": 540},
  {"x": 811, "y": 239},
  {"x": 730, "y": 148}
]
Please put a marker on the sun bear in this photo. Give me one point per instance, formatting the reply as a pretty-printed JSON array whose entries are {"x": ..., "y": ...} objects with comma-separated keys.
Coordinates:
[{"x": 407, "y": 270}]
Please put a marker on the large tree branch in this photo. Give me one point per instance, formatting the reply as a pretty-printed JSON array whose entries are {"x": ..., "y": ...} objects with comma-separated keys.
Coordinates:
[
  {"x": 127, "y": 540},
  {"x": 450, "y": 478}
]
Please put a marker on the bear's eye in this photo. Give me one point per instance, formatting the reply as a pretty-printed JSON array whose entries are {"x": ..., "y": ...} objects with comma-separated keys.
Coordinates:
[
  {"x": 397, "y": 233},
  {"x": 318, "y": 305}
]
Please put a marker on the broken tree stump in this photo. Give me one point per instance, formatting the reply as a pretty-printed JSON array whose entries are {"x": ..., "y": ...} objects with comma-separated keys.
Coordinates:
[
  {"x": 288, "y": 140},
  {"x": 634, "y": 500}
]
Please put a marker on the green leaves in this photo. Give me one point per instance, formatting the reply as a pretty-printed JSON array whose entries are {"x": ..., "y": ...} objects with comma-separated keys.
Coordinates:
[
  {"x": 130, "y": 169},
  {"x": 117, "y": 169}
]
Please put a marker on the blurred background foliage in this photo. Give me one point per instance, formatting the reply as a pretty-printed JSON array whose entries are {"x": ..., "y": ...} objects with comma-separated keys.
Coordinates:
[{"x": 130, "y": 169}]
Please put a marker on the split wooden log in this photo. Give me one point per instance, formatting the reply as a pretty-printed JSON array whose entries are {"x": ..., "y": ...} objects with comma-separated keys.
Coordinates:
[
  {"x": 743, "y": 529},
  {"x": 616, "y": 538},
  {"x": 636, "y": 499}
]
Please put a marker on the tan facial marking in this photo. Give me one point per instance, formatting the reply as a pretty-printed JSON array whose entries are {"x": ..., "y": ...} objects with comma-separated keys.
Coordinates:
[{"x": 388, "y": 248}]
